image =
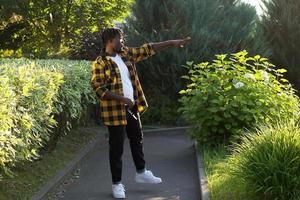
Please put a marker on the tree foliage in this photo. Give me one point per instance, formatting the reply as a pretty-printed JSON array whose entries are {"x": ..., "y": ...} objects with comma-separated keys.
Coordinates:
[
  {"x": 41, "y": 28},
  {"x": 281, "y": 23}
]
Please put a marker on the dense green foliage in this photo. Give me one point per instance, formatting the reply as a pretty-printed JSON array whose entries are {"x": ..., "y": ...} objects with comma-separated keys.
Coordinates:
[
  {"x": 40, "y": 100},
  {"x": 214, "y": 25},
  {"x": 51, "y": 28},
  {"x": 281, "y": 23},
  {"x": 268, "y": 161},
  {"x": 235, "y": 92}
]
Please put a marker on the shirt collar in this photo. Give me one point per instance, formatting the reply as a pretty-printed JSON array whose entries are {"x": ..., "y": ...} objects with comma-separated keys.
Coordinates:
[{"x": 105, "y": 55}]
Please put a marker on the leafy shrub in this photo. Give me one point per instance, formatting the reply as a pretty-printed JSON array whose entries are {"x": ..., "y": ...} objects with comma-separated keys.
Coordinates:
[
  {"x": 26, "y": 105},
  {"x": 232, "y": 93},
  {"x": 40, "y": 100},
  {"x": 268, "y": 161}
]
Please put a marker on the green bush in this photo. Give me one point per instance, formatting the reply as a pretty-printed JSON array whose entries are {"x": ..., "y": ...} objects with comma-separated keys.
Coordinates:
[
  {"x": 40, "y": 100},
  {"x": 267, "y": 162},
  {"x": 233, "y": 93},
  {"x": 26, "y": 104}
]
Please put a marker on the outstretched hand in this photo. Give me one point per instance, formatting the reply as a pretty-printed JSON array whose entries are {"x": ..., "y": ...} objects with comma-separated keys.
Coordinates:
[{"x": 181, "y": 42}]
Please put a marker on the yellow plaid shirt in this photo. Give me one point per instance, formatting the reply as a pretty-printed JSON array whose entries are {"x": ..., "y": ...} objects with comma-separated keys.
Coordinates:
[{"x": 106, "y": 76}]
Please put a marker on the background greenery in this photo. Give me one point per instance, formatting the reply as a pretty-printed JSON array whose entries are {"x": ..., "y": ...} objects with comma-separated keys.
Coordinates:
[
  {"x": 214, "y": 26},
  {"x": 71, "y": 29},
  {"x": 55, "y": 28},
  {"x": 281, "y": 28}
]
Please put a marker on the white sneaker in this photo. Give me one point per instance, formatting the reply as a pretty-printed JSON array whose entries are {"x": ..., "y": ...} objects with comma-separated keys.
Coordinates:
[
  {"x": 146, "y": 177},
  {"x": 118, "y": 191}
]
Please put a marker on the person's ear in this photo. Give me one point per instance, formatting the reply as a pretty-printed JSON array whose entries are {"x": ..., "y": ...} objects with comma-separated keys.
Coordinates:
[
  {"x": 109, "y": 41},
  {"x": 113, "y": 41}
]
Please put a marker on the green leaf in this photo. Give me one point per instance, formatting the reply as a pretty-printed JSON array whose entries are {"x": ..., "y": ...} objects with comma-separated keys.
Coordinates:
[
  {"x": 182, "y": 92},
  {"x": 189, "y": 63},
  {"x": 185, "y": 77},
  {"x": 213, "y": 109},
  {"x": 281, "y": 70},
  {"x": 228, "y": 126},
  {"x": 284, "y": 80}
]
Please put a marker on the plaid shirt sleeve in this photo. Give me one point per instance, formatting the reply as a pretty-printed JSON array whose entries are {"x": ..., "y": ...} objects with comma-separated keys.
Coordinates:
[
  {"x": 98, "y": 81},
  {"x": 140, "y": 53}
]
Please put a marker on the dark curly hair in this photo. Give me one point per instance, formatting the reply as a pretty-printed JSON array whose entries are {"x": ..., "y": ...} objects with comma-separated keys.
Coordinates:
[{"x": 110, "y": 33}]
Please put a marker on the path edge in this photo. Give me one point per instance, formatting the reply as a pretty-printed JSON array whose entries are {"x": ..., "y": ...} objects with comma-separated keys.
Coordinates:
[
  {"x": 67, "y": 170},
  {"x": 201, "y": 172},
  {"x": 160, "y": 131},
  {"x": 83, "y": 153}
]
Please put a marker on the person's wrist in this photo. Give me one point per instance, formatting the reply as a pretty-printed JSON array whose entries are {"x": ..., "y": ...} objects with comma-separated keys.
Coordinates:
[
  {"x": 123, "y": 99},
  {"x": 172, "y": 43}
]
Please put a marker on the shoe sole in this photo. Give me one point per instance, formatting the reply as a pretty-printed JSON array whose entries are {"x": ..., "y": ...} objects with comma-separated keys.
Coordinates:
[
  {"x": 118, "y": 197},
  {"x": 141, "y": 181}
]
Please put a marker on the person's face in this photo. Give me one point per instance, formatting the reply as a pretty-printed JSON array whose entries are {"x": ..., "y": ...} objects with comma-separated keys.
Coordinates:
[{"x": 117, "y": 43}]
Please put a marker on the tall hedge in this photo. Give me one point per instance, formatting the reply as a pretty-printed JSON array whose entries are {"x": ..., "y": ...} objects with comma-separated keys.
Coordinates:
[{"x": 40, "y": 101}]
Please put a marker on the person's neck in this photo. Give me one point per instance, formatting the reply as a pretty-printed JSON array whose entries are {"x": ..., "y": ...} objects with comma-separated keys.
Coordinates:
[{"x": 110, "y": 52}]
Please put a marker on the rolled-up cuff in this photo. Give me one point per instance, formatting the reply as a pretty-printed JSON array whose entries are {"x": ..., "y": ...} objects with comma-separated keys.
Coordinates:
[
  {"x": 149, "y": 48},
  {"x": 101, "y": 92}
]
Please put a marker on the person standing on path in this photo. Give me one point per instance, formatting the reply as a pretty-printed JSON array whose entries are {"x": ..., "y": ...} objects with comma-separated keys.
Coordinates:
[{"x": 117, "y": 87}]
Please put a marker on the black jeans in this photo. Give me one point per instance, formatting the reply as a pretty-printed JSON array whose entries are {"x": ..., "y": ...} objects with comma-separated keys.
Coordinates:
[{"x": 116, "y": 143}]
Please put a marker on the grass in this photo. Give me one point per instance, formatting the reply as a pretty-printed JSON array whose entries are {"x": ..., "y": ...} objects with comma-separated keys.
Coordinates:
[
  {"x": 265, "y": 163},
  {"x": 31, "y": 176},
  {"x": 268, "y": 160},
  {"x": 221, "y": 185}
]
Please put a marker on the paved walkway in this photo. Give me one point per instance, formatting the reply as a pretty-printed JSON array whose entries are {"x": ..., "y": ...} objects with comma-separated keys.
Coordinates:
[{"x": 169, "y": 156}]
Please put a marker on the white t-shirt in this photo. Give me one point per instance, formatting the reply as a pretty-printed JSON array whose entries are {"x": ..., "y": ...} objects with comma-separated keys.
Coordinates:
[{"x": 125, "y": 76}]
